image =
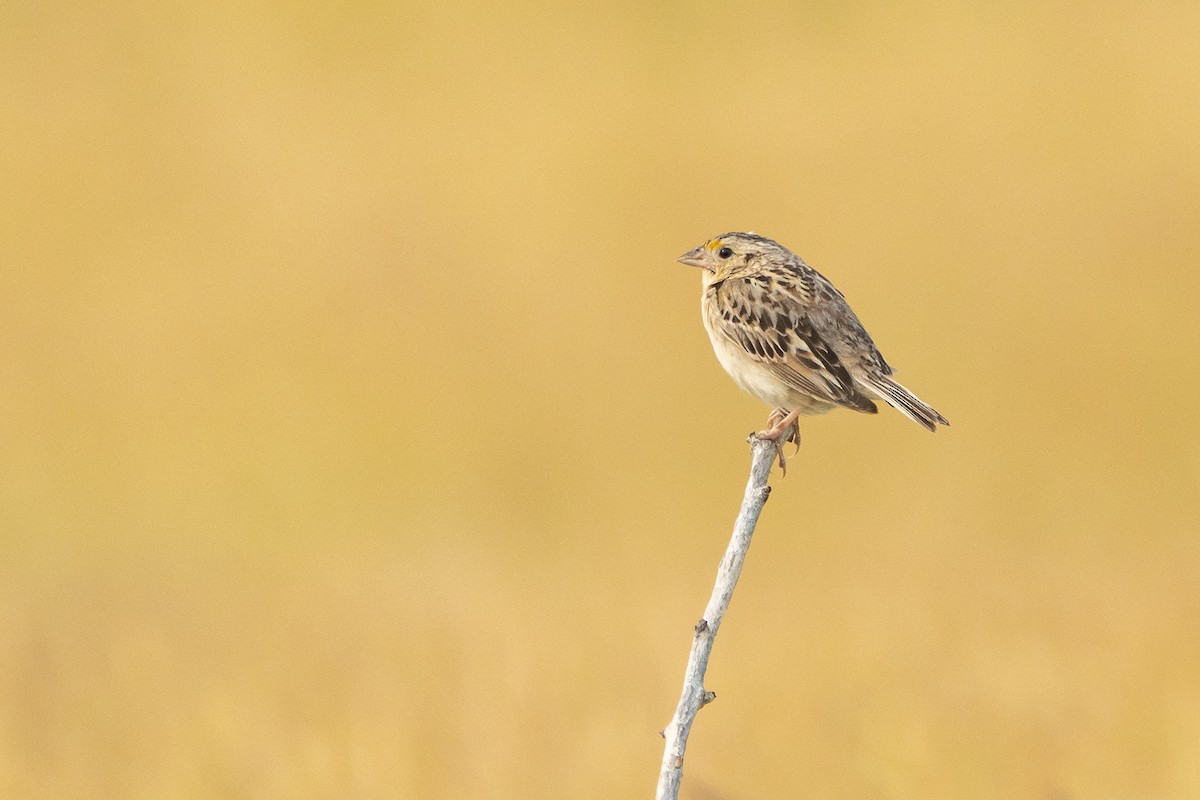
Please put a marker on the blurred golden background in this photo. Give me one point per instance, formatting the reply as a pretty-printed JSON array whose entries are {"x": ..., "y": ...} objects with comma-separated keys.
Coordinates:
[{"x": 359, "y": 436}]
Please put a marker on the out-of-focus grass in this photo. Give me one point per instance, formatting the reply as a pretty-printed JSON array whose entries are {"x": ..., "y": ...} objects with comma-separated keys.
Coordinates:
[{"x": 358, "y": 435}]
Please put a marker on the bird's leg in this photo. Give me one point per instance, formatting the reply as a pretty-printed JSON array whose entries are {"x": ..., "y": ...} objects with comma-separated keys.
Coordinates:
[
  {"x": 779, "y": 423},
  {"x": 782, "y": 427}
]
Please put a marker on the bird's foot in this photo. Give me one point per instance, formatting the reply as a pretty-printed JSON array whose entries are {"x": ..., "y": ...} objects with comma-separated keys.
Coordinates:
[{"x": 782, "y": 427}]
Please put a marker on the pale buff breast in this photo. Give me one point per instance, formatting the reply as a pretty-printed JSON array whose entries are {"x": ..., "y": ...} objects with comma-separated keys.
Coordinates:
[{"x": 754, "y": 378}]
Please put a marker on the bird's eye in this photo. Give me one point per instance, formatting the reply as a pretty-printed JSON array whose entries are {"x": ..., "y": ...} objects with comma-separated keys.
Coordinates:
[{"x": 724, "y": 252}]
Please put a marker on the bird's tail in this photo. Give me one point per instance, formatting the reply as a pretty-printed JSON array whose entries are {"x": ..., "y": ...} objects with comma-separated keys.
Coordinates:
[{"x": 904, "y": 401}]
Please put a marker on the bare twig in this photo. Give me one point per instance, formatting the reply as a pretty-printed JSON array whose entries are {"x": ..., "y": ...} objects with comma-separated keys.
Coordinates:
[{"x": 695, "y": 697}]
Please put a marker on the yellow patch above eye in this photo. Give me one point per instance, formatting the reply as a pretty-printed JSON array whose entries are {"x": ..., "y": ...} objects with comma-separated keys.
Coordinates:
[{"x": 713, "y": 244}]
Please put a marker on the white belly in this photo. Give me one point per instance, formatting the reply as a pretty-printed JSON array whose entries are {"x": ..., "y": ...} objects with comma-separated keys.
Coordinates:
[{"x": 757, "y": 380}]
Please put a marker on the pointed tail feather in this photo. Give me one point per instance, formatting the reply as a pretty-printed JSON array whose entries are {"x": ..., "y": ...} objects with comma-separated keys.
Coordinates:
[{"x": 904, "y": 401}]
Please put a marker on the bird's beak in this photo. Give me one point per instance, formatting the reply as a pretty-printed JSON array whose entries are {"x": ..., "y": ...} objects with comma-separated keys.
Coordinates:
[{"x": 695, "y": 258}]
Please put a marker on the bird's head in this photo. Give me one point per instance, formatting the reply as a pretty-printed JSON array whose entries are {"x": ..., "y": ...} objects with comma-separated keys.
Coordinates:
[{"x": 731, "y": 255}]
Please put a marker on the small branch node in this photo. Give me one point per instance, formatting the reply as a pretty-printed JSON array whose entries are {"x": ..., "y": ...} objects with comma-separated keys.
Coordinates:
[
  {"x": 701, "y": 626},
  {"x": 707, "y": 698}
]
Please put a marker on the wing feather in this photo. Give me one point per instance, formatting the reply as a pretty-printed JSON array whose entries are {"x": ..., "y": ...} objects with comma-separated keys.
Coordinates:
[{"x": 749, "y": 312}]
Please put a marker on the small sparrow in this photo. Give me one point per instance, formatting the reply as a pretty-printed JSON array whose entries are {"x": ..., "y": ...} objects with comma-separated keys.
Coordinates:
[{"x": 788, "y": 337}]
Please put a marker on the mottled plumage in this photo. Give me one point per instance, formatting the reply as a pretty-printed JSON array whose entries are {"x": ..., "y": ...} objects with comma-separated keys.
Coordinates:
[{"x": 787, "y": 336}]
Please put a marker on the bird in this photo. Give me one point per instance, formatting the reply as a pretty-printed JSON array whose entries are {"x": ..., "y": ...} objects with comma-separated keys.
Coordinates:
[{"x": 787, "y": 336}]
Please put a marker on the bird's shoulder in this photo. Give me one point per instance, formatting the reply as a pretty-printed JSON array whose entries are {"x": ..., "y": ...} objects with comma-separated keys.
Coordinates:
[{"x": 770, "y": 315}]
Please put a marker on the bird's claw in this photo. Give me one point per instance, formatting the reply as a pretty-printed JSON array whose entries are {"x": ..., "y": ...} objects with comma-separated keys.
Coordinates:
[{"x": 780, "y": 436}]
